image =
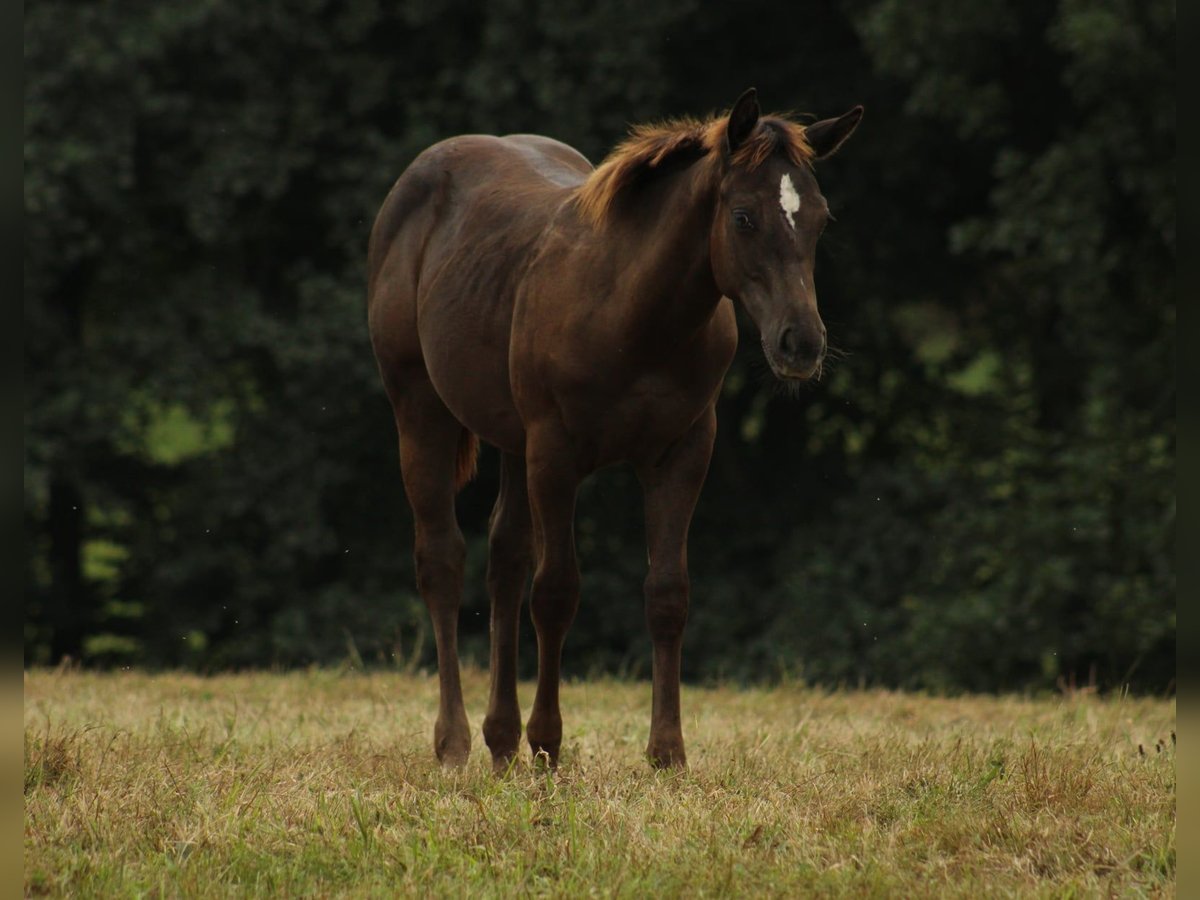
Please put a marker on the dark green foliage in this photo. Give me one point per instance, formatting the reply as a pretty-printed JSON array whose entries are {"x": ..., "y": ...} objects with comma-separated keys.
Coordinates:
[{"x": 979, "y": 496}]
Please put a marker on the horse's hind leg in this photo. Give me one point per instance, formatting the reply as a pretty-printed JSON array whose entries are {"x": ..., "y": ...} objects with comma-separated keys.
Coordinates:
[
  {"x": 554, "y": 599},
  {"x": 509, "y": 554},
  {"x": 429, "y": 446}
]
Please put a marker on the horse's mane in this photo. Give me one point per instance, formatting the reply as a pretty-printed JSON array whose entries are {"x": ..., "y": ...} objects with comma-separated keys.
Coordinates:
[{"x": 649, "y": 146}]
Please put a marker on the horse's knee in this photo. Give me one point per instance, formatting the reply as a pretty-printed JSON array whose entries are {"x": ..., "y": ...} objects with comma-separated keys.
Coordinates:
[
  {"x": 508, "y": 557},
  {"x": 554, "y": 598},
  {"x": 439, "y": 560},
  {"x": 666, "y": 604}
]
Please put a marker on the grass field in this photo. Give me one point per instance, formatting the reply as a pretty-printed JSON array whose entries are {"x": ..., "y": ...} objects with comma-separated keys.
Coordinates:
[{"x": 323, "y": 783}]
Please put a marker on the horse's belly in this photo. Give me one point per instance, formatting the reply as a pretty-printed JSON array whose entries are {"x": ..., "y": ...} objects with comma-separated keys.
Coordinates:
[
  {"x": 486, "y": 412},
  {"x": 465, "y": 346}
]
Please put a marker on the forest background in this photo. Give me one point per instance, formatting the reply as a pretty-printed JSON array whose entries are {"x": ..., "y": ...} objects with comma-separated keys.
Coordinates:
[{"x": 979, "y": 496}]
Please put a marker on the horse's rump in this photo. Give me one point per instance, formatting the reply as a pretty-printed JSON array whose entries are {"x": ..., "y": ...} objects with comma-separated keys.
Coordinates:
[{"x": 447, "y": 254}]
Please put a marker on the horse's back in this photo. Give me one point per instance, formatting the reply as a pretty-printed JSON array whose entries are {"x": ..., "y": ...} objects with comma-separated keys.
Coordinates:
[
  {"x": 519, "y": 167},
  {"x": 558, "y": 163},
  {"x": 447, "y": 252}
]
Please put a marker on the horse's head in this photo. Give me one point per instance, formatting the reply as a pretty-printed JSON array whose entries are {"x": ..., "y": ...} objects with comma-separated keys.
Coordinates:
[{"x": 770, "y": 213}]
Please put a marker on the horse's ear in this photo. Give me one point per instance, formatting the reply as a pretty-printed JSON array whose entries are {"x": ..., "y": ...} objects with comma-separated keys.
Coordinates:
[
  {"x": 742, "y": 119},
  {"x": 829, "y": 134}
]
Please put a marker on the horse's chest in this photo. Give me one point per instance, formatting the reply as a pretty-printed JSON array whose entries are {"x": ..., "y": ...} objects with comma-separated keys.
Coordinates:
[
  {"x": 619, "y": 397},
  {"x": 639, "y": 419},
  {"x": 648, "y": 422}
]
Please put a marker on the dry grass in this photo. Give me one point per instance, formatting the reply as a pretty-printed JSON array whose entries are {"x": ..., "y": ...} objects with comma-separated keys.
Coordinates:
[{"x": 322, "y": 783}]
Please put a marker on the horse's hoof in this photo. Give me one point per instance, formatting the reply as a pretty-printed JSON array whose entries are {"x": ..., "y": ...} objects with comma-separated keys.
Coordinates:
[
  {"x": 667, "y": 756},
  {"x": 503, "y": 764},
  {"x": 545, "y": 756},
  {"x": 503, "y": 739},
  {"x": 453, "y": 758},
  {"x": 452, "y": 746}
]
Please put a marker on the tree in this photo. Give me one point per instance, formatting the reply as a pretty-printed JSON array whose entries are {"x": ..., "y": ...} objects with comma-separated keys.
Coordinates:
[{"x": 979, "y": 495}]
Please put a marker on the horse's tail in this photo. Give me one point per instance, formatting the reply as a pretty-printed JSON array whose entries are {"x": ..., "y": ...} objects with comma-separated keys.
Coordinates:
[{"x": 468, "y": 457}]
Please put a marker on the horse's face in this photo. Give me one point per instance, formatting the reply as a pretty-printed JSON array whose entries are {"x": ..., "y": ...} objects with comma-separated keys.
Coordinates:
[{"x": 764, "y": 240}]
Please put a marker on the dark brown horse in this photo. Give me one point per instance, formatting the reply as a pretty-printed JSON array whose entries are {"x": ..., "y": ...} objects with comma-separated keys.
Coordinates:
[{"x": 576, "y": 317}]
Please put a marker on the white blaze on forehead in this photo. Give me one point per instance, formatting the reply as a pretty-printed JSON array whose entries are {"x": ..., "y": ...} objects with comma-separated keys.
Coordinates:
[{"x": 788, "y": 198}]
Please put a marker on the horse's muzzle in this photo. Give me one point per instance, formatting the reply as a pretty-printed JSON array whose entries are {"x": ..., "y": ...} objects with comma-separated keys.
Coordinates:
[{"x": 797, "y": 353}]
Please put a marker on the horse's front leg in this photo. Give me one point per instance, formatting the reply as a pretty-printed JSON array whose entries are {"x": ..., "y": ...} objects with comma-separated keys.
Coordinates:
[
  {"x": 671, "y": 488},
  {"x": 553, "y": 480}
]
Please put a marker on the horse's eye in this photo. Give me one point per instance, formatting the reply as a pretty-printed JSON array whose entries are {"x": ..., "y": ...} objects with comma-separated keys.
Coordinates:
[{"x": 742, "y": 221}]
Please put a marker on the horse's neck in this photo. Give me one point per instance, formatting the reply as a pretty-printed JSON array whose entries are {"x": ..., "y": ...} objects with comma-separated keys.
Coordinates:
[{"x": 665, "y": 263}]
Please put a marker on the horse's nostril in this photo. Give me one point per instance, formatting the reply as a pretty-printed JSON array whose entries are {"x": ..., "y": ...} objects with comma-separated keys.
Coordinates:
[
  {"x": 800, "y": 344},
  {"x": 788, "y": 342}
]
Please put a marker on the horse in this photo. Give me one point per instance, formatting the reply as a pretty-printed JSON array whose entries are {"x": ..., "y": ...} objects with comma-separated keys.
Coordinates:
[{"x": 575, "y": 317}]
